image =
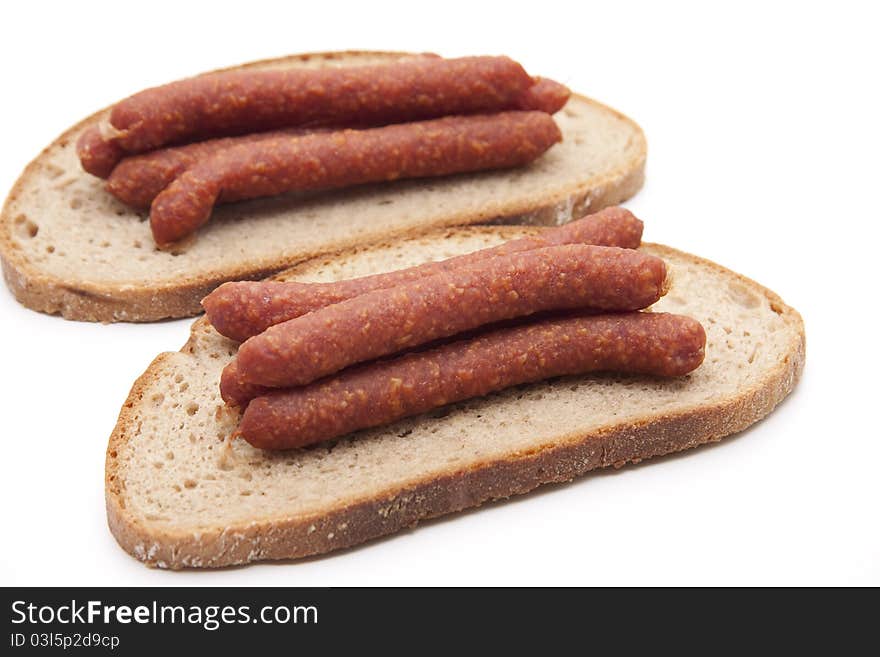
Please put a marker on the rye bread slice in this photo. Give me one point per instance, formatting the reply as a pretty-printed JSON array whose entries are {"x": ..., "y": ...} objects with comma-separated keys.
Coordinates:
[
  {"x": 68, "y": 247},
  {"x": 180, "y": 494}
]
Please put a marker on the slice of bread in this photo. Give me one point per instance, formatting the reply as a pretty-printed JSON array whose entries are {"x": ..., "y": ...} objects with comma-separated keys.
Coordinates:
[
  {"x": 69, "y": 247},
  {"x": 181, "y": 494}
]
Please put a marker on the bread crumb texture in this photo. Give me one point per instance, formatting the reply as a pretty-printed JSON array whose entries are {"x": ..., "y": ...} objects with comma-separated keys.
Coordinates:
[{"x": 180, "y": 492}]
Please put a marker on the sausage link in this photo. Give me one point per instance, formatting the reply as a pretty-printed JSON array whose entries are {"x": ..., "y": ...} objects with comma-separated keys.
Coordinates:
[
  {"x": 545, "y": 96},
  {"x": 379, "y": 393},
  {"x": 241, "y": 102},
  {"x": 382, "y": 322},
  {"x": 237, "y": 102},
  {"x": 138, "y": 179},
  {"x": 97, "y": 156},
  {"x": 240, "y": 310},
  {"x": 235, "y": 391},
  {"x": 350, "y": 157}
]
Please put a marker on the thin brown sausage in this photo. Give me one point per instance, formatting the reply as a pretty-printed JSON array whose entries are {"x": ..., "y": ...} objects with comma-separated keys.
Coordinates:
[
  {"x": 235, "y": 391},
  {"x": 241, "y": 310},
  {"x": 350, "y": 157},
  {"x": 382, "y": 322},
  {"x": 97, "y": 156},
  {"x": 545, "y": 96},
  {"x": 138, "y": 179},
  {"x": 379, "y": 393},
  {"x": 240, "y": 102}
]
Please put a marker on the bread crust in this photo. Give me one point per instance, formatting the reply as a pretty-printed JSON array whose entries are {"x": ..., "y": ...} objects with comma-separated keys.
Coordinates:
[
  {"x": 397, "y": 507},
  {"x": 98, "y": 302}
]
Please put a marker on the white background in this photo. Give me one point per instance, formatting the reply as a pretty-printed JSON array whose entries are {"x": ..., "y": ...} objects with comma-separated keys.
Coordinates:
[{"x": 762, "y": 124}]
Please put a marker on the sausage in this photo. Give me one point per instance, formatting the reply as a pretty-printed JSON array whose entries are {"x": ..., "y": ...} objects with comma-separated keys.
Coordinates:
[
  {"x": 138, "y": 179},
  {"x": 238, "y": 102},
  {"x": 379, "y": 393},
  {"x": 237, "y": 392},
  {"x": 350, "y": 157},
  {"x": 382, "y": 322},
  {"x": 545, "y": 96},
  {"x": 240, "y": 310},
  {"x": 97, "y": 156}
]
